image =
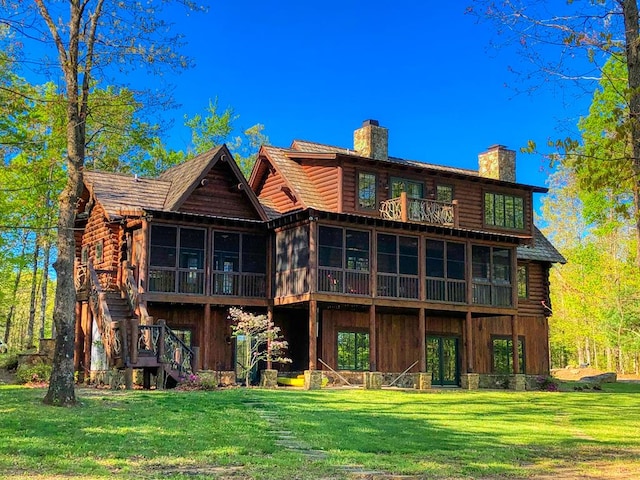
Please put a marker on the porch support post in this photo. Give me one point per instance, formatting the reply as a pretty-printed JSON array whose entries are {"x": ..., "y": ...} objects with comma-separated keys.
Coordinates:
[
  {"x": 143, "y": 268},
  {"x": 373, "y": 343},
  {"x": 207, "y": 339},
  {"x": 404, "y": 207},
  {"x": 422, "y": 329},
  {"x": 87, "y": 326},
  {"x": 514, "y": 342},
  {"x": 469, "y": 342},
  {"x": 313, "y": 330},
  {"x": 270, "y": 320},
  {"x": 79, "y": 341}
]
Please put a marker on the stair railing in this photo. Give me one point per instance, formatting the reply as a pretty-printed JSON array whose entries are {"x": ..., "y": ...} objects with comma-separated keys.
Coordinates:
[{"x": 112, "y": 334}]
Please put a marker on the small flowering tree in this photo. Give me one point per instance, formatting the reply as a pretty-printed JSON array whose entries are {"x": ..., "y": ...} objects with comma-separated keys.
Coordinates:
[{"x": 264, "y": 340}]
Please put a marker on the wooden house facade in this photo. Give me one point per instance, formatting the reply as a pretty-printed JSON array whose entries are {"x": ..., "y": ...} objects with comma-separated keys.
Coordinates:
[{"x": 368, "y": 263}]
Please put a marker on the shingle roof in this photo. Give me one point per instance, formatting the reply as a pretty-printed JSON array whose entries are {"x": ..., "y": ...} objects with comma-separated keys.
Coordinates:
[
  {"x": 313, "y": 147},
  {"x": 540, "y": 250},
  {"x": 295, "y": 176},
  {"x": 117, "y": 191},
  {"x": 184, "y": 176}
]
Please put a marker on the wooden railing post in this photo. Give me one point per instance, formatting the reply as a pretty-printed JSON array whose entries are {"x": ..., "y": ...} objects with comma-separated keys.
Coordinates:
[
  {"x": 135, "y": 333},
  {"x": 162, "y": 324},
  {"x": 456, "y": 217},
  {"x": 404, "y": 207}
]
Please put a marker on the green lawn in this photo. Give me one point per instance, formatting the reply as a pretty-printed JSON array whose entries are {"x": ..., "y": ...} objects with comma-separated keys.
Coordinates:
[{"x": 234, "y": 434}]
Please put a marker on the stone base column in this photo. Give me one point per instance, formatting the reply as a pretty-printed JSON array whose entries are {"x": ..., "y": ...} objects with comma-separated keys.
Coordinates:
[
  {"x": 372, "y": 380},
  {"x": 312, "y": 379},
  {"x": 269, "y": 378},
  {"x": 518, "y": 383},
  {"x": 470, "y": 381},
  {"x": 422, "y": 381}
]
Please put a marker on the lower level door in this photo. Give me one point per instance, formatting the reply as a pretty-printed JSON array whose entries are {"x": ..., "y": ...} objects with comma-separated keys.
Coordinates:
[{"x": 443, "y": 360}]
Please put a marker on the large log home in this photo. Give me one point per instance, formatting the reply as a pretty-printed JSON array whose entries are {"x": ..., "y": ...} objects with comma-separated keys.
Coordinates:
[{"x": 368, "y": 263}]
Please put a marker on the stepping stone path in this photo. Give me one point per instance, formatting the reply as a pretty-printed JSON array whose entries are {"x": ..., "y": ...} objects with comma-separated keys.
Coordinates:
[{"x": 288, "y": 440}]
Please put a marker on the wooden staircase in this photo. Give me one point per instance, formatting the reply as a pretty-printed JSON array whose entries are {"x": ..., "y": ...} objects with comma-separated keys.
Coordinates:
[{"x": 132, "y": 342}]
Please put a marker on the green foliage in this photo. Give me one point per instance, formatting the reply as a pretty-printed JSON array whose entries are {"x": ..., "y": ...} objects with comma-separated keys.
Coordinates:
[
  {"x": 36, "y": 373},
  {"x": 9, "y": 361}
]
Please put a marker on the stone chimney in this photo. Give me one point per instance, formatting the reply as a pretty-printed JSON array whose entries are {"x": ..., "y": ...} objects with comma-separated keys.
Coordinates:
[
  {"x": 371, "y": 140},
  {"x": 499, "y": 163}
]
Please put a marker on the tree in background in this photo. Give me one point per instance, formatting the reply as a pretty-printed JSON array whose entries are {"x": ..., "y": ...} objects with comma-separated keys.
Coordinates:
[{"x": 89, "y": 37}]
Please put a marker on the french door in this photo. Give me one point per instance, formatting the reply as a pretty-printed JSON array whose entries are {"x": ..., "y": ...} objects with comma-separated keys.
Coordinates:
[{"x": 443, "y": 360}]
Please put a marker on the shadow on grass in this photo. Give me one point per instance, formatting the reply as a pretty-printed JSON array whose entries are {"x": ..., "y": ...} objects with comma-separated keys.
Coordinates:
[{"x": 173, "y": 434}]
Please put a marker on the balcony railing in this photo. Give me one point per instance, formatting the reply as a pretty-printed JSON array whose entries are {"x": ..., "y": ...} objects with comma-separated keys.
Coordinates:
[
  {"x": 193, "y": 282},
  {"x": 421, "y": 210},
  {"x": 343, "y": 281}
]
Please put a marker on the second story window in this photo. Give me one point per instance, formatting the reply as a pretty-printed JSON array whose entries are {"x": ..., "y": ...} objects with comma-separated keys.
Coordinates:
[
  {"x": 397, "y": 266},
  {"x": 343, "y": 260},
  {"x": 523, "y": 281},
  {"x": 444, "y": 193},
  {"x": 491, "y": 276},
  {"x": 445, "y": 266},
  {"x": 367, "y": 199},
  {"x": 399, "y": 185},
  {"x": 502, "y": 210}
]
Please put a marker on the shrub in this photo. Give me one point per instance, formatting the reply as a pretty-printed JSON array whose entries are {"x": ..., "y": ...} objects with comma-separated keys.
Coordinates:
[
  {"x": 38, "y": 373},
  {"x": 9, "y": 361},
  {"x": 198, "y": 382},
  {"x": 547, "y": 384}
]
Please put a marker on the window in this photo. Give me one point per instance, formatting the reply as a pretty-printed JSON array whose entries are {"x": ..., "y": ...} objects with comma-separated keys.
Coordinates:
[
  {"x": 502, "y": 354},
  {"x": 503, "y": 210},
  {"x": 84, "y": 255},
  {"x": 491, "y": 270},
  {"x": 177, "y": 259},
  {"x": 343, "y": 260},
  {"x": 367, "y": 191},
  {"x": 445, "y": 267},
  {"x": 353, "y": 350},
  {"x": 523, "y": 281},
  {"x": 99, "y": 251},
  {"x": 397, "y": 266},
  {"x": 399, "y": 185},
  {"x": 444, "y": 193}
]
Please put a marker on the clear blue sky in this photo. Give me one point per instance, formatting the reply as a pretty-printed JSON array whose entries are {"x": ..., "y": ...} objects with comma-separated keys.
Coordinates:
[{"x": 316, "y": 70}]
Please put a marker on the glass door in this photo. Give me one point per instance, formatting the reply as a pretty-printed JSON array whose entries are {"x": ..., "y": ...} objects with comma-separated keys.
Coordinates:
[{"x": 443, "y": 361}]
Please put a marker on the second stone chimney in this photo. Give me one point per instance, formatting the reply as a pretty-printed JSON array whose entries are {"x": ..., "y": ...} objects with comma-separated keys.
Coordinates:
[
  {"x": 499, "y": 163},
  {"x": 371, "y": 140}
]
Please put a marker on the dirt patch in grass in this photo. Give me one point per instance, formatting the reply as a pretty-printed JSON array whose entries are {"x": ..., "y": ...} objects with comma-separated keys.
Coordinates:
[{"x": 575, "y": 374}]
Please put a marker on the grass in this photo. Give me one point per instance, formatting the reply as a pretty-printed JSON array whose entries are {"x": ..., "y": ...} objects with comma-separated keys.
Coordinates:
[{"x": 233, "y": 434}]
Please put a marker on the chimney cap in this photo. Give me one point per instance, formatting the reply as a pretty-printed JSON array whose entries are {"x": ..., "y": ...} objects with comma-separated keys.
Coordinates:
[
  {"x": 497, "y": 146},
  {"x": 370, "y": 121}
]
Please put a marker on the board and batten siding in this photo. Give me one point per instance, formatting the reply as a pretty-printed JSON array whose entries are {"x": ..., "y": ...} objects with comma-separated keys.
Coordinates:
[{"x": 220, "y": 196}]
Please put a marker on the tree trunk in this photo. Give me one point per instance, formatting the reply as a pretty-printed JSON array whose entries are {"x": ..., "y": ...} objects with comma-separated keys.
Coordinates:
[
  {"x": 14, "y": 293},
  {"x": 43, "y": 291},
  {"x": 28, "y": 343},
  {"x": 632, "y": 46},
  {"x": 609, "y": 361}
]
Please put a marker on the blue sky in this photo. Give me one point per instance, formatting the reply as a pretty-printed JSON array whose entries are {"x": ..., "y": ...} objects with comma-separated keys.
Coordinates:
[{"x": 316, "y": 70}]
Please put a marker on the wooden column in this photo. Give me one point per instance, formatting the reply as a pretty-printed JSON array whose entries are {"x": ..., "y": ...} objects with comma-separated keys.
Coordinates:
[
  {"x": 207, "y": 338},
  {"x": 404, "y": 207},
  {"x": 313, "y": 267},
  {"x": 514, "y": 341},
  {"x": 468, "y": 336},
  {"x": 422, "y": 332},
  {"x": 270, "y": 320},
  {"x": 313, "y": 338},
  {"x": 87, "y": 328},
  {"x": 78, "y": 334},
  {"x": 373, "y": 343},
  {"x": 144, "y": 263}
]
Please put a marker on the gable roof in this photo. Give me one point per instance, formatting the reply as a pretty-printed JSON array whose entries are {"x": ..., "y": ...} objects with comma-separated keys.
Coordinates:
[
  {"x": 540, "y": 250},
  {"x": 294, "y": 177},
  {"x": 121, "y": 194}
]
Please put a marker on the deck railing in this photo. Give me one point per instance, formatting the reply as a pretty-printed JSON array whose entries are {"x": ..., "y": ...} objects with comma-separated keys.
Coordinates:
[
  {"x": 446, "y": 290},
  {"x": 402, "y": 286},
  {"x": 336, "y": 280},
  {"x": 224, "y": 283},
  {"x": 419, "y": 210}
]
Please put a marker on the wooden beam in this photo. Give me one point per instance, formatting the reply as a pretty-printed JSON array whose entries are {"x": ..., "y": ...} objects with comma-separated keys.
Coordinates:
[
  {"x": 313, "y": 337},
  {"x": 207, "y": 337},
  {"x": 422, "y": 333},
  {"x": 87, "y": 324},
  {"x": 78, "y": 334},
  {"x": 468, "y": 337},
  {"x": 514, "y": 341},
  {"x": 313, "y": 242},
  {"x": 144, "y": 255},
  {"x": 373, "y": 343}
]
